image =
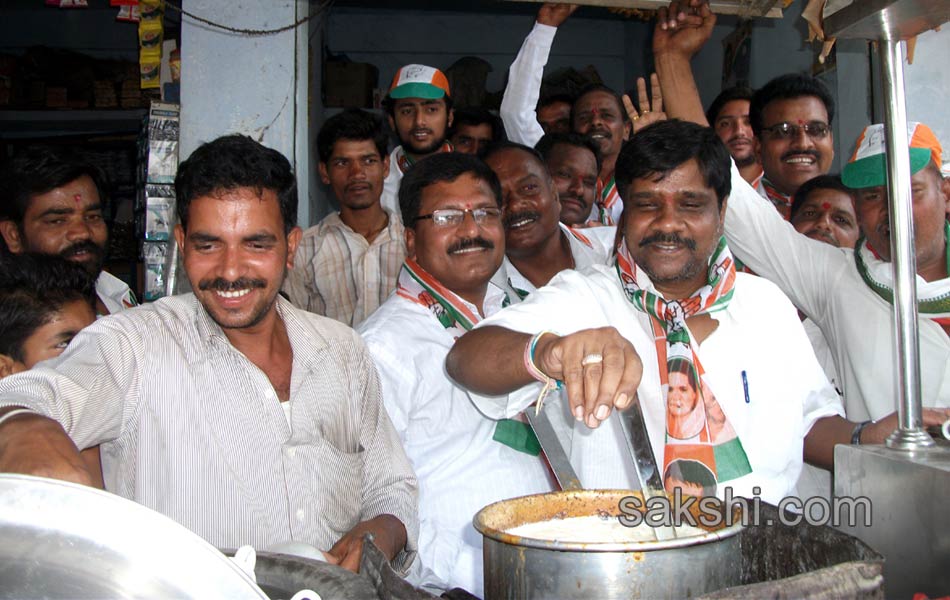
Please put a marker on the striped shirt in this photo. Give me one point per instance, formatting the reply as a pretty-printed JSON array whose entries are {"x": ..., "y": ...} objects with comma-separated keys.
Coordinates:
[
  {"x": 191, "y": 428},
  {"x": 338, "y": 274}
]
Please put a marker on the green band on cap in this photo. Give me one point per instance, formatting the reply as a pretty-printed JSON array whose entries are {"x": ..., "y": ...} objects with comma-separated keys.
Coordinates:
[
  {"x": 872, "y": 170},
  {"x": 417, "y": 90}
]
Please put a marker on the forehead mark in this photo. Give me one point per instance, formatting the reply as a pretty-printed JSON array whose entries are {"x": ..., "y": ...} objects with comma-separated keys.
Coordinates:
[
  {"x": 826, "y": 206},
  {"x": 77, "y": 198}
]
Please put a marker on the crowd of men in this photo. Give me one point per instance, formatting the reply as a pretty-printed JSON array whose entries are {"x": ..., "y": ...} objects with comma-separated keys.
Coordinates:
[{"x": 368, "y": 374}]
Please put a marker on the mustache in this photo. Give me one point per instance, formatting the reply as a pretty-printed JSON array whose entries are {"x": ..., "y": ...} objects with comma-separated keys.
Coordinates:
[
  {"x": 741, "y": 138},
  {"x": 668, "y": 238},
  {"x": 82, "y": 246},
  {"x": 813, "y": 153},
  {"x": 525, "y": 214},
  {"x": 477, "y": 242},
  {"x": 416, "y": 130},
  {"x": 223, "y": 285},
  {"x": 823, "y": 235}
]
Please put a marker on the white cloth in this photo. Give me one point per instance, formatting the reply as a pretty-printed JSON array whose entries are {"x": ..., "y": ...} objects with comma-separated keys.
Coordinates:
[
  {"x": 520, "y": 101},
  {"x": 114, "y": 293},
  {"x": 460, "y": 467},
  {"x": 340, "y": 275},
  {"x": 758, "y": 334},
  {"x": 597, "y": 253},
  {"x": 189, "y": 427},
  {"x": 390, "y": 197},
  {"x": 824, "y": 283}
]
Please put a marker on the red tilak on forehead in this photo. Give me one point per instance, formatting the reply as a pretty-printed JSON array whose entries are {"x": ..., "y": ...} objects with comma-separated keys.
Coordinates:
[
  {"x": 77, "y": 198},
  {"x": 826, "y": 205}
]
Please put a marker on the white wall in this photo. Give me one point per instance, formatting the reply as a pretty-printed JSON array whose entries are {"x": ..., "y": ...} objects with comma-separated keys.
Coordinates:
[{"x": 927, "y": 85}]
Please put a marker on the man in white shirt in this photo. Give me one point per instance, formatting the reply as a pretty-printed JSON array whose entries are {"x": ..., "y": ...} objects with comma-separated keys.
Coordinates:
[
  {"x": 243, "y": 418},
  {"x": 673, "y": 296},
  {"x": 839, "y": 289},
  {"x": 346, "y": 265},
  {"x": 464, "y": 461},
  {"x": 54, "y": 202},
  {"x": 537, "y": 245},
  {"x": 419, "y": 105}
]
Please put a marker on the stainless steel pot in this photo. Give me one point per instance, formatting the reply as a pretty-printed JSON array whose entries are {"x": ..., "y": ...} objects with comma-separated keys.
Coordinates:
[
  {"x": 62, "y": 540},
  {"x": 519, "y": 567}
]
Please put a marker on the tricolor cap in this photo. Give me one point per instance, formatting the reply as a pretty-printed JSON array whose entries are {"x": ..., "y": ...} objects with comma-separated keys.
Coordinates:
[
  {"x": 419, "y": 81},
  {"x": 868, "y": 167}
]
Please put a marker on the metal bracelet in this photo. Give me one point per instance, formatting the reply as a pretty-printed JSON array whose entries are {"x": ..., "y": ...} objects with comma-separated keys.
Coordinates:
[{"x": 856, "y": 432}]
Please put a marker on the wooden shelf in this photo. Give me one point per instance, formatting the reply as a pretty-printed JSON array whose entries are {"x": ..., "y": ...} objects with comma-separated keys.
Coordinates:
[{"x": 48, "y": 123}]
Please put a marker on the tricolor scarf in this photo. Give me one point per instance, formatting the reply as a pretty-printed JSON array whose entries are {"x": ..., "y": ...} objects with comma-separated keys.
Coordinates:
[
  {"x": 782, "y": 202},
  {"x": 699, "y": 451},
  {"x": 606, "y": 200},
  {"x": 417, "y": 285},
  {"x": 404, "y": 161},
  {"x": 933, "y": 297}
]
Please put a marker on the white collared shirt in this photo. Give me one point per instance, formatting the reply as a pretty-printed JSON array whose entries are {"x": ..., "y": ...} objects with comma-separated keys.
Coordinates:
[
  {"x": 590, "y": 246},
  {"x": 759, "y": 337},
  {"x": 189, "y": 427},
  {"x": 338, "y": 274},
  {"x": 519, "y": 103},
  {"x": 114, "y": 293},
  {"x": 460, "y": 467},
  {"x": 823, "y": 281}
]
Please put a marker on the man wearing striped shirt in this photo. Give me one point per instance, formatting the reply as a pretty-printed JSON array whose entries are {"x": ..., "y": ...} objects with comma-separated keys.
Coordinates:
[
  {"x": 346, "y": 266},
  {"x": 241, "y": 417}
]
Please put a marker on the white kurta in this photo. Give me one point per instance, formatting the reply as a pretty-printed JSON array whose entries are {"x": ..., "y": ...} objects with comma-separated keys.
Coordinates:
[
  {"x": 459, "y": 466},
  {"x": 759, "y": 334},
  {"x": 597, "y": 252},
  {"x": 824, "y": 283},
  {"x": 518, "y": 104}
]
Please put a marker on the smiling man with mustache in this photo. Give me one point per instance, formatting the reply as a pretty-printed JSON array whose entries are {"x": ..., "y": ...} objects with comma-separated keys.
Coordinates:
[
  {"x": 229, "y": 410},
  {"x": 538, "y": 246},
  {"x": 346, "y": 266},
  {"x": 728, "y": 115},
  {"x": 452, "y": 278},
  {"x": 54, "y": 202},
  {"x": 573, "y": 160}
]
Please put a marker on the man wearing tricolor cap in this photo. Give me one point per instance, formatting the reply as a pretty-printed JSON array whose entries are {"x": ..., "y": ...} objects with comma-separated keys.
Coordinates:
[
  {"x": 419, "y": 105},
  {"x": 847, "y": 293},
  {"x": 452, "y": 278}
]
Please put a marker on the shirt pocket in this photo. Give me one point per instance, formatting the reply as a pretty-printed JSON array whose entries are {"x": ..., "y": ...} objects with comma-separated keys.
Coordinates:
[{"x": 340, "y": 477}]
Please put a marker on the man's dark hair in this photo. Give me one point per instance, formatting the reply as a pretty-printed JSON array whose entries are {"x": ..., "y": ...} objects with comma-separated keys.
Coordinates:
[
  {"x": 599, "y": 87},
  {"x": 353, "y": 124},
  {"x": 444, "y": 166},
  {"x": 787, "y": 87},
  {"x": 739, "y": 92},
  {"x": 231, "y": 162},
  {"x": 554, "y": 99},
  {"x": 684, "y": 367},
  {"x": 549, "y": 141},
  {"x": 692, "y": 472},
  {"x": 478, "y": 116},
  {"x": 664, "y": 146},
  {"x": 33, "y": 288},
  {"x": 389, "y": 104},
  {"x": 38, "y": 170},
  {"x": 496, "y": 148},
  {"x": 821, "y": 182}
]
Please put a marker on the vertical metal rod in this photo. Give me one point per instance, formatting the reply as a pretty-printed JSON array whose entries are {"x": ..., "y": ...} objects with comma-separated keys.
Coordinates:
[{"x": 909, "y": 434}]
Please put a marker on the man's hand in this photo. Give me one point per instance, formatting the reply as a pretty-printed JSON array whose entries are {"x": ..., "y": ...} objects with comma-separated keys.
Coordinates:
[
  {"x": 683, "y": 28},
  {"x": 35, "y": 445},
  {"x": 877, "y": 432},
  {"x": 389, "y": 535},
  {"x": 555, "y": 13},
  {"x": 649, "y": 112},
  {"x": 599, "y": 367}
]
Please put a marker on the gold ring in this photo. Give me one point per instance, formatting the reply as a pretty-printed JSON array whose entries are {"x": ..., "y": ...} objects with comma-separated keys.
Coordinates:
[
  {"x": 644, "y": 112},
  {"x": 592, "y": 359}
]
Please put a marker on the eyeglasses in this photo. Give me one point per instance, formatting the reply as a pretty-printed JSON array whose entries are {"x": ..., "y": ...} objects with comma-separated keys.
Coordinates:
[
  {"x": 453, "y": 217},
  {"x": 816, "y": 130}
]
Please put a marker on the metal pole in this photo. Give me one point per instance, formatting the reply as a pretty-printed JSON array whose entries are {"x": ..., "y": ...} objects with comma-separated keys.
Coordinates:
[{"x": 909, "y": 435}]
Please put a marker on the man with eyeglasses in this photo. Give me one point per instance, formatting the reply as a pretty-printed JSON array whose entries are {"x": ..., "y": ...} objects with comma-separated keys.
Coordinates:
[
  {"x": 451, "y": 207},
  {"x": 846, "y": 292},
  {"x": 538, "y": 246},
  {"x": 791, "y": 117}
]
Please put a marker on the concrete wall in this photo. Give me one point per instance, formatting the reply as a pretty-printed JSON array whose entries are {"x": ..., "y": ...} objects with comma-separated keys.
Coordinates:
[{"x": 927, "y": 85}]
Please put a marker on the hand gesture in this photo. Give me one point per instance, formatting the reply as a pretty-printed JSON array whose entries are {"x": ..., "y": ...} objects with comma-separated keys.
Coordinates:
[
  {"x": 555, "y": 13},
  {"x": 684, "y": 27},
  {"x": 649, "y": 113},
  {"x": 599, "y": 367}
]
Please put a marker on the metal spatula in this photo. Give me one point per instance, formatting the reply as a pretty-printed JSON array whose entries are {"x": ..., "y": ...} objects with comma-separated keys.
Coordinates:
[{"x": 553, "y": 448}]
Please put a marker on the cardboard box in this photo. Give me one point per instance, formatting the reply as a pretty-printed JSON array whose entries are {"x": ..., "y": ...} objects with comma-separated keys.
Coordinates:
[{"x": 349, "y": 84}]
